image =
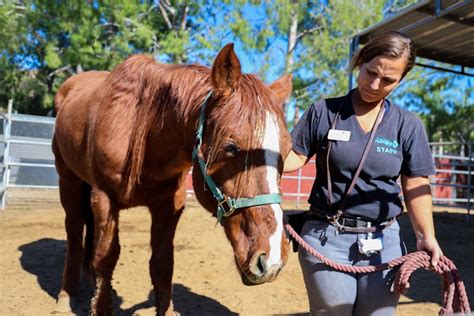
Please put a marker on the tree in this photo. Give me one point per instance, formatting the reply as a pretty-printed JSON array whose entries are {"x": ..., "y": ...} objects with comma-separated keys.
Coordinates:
[
  {"x": 324, "y": 56},
  {"x": 443, "y": 101},
  {"x": 43, "y": 42},
  {"x": 11, "y": 50},
  {"x": 307, "y": 38},
  {"x": 46, "y": 41}
]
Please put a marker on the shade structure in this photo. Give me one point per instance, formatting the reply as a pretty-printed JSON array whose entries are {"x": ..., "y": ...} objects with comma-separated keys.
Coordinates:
[{"x": 443, "y": 30}]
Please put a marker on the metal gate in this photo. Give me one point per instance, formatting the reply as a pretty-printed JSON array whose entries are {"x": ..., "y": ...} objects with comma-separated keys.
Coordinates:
[{"x": 27, "y": 158}]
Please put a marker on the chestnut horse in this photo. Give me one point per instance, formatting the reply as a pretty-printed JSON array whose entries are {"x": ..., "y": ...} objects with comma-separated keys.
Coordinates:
[{"x": 126, "y": 138}]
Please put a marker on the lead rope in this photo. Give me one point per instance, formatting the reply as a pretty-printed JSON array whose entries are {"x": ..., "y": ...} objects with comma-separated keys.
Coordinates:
[{"x": 455, "y": 299}]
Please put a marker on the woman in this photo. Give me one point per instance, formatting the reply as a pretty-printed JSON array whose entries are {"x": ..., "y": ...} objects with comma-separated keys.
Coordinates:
[{"x": 355, "y": 223}]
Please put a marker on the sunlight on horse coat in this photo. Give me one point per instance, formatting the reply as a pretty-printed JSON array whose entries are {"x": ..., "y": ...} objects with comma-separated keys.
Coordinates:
[{"x": 125, "y": 138}]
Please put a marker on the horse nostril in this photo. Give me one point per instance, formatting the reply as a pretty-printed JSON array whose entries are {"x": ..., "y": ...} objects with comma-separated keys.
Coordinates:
[{"x": 261, "y": 264}]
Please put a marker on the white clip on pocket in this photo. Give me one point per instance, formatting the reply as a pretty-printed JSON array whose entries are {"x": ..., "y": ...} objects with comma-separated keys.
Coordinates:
[{"x": 368, "y": 246}]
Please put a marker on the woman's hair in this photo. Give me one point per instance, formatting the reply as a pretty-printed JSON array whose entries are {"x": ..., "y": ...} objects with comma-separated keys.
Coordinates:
[{"x": 389, "y": 44}]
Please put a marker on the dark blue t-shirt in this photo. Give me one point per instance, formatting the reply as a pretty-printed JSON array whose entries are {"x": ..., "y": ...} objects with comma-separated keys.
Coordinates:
[{"x": 400, "y": 146}]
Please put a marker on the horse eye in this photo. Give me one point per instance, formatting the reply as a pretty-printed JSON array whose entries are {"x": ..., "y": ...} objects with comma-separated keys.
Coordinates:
[{"x": 231, "y": 149}]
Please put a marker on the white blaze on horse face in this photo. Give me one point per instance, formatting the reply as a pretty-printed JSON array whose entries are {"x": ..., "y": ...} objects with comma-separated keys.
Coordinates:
[{"x": 271, "y": 146}]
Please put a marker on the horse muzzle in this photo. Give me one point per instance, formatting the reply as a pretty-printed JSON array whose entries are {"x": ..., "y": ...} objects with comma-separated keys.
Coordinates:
[{"x": 259, "y": 271}]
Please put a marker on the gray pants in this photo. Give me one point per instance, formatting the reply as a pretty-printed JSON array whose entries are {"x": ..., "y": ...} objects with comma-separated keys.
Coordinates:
[{"x": 332, "y": 292}]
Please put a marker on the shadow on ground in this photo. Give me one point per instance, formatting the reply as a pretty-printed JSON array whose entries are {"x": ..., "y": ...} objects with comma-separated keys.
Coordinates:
[{"x": 44, "y": 258}]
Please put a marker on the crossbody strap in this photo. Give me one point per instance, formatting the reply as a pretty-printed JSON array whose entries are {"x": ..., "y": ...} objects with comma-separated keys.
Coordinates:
[{"x": 334, "y": 218}]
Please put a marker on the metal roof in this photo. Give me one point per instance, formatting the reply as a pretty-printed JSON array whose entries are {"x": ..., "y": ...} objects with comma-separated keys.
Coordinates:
[{"x": 443, "y": 30}]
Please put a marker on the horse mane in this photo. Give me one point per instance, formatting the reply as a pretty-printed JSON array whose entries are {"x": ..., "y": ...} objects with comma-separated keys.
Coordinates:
[{"x": 145, "y": 89}]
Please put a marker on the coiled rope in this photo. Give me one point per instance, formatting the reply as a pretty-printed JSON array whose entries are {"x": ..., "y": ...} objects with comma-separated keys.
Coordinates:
[{"x": 454, "y": 293}]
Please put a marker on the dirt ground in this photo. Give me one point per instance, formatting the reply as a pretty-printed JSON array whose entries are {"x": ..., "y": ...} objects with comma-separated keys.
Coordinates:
[{"x": 206, "y": 282}]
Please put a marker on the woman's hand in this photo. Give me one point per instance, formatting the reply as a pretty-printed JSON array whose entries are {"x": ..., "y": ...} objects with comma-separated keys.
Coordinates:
[{"x": 431, "y": 245}]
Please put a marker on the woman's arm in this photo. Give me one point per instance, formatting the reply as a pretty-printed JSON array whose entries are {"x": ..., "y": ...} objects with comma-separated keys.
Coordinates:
[
  {"x": 417, "y": 193},
  {"x": 294, "y": 161}
]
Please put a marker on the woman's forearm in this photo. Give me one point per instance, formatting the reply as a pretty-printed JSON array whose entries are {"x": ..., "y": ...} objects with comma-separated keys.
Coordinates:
[
  {"x": 294, "y": 161},
  {"x": 418, "y": 200}
]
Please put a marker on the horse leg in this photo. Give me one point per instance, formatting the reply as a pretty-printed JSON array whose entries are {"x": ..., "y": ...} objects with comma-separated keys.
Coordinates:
[
  {"x": 89, "y": 221},
  {"x": 70, "y": 190},
  {"x": 106, "y": 252},
  {"x": 164, "y": 220}
]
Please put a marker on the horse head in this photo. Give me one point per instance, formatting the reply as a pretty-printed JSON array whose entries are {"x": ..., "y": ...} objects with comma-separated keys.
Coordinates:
[{"x": 244, "y": 144}]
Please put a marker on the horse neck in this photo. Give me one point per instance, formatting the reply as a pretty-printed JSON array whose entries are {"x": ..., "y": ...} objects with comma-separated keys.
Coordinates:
[{"x": 185, "y": 93}]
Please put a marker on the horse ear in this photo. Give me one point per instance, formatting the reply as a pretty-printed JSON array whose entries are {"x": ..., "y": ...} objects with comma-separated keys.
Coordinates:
[
  {"x": 226, "y": 71},
  {"x": 282, "y": 88}
]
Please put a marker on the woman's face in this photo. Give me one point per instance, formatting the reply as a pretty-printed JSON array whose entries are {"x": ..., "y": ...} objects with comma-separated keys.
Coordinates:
[{"x": 378, "y": 77}]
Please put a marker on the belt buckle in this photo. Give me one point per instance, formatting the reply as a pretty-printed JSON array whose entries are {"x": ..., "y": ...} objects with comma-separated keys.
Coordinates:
[
  {"x": 342, "y": 221},
  {"x": 355, "y": 222},
  {"x": 365, "y": 224},
  {"x": 349, "y": 222}
]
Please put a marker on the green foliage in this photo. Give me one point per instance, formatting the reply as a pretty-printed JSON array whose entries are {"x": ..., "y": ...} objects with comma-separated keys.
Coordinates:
[
  {"x": 43, "y": 42},
  {"x": 175, "y": 43},
  {"x": 319, "y": 59},
  {"x": 52, "y": 58},
  {"x": 445, "y": 106},
  {"x": 326, "y": 51},
  {"x": 11, "y": 39}
]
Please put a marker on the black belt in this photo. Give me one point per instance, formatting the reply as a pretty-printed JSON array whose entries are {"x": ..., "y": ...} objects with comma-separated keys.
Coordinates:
[{"x": 351, "y": 222}]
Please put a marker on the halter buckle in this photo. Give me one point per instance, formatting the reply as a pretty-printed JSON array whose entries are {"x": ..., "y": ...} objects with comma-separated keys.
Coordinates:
[{"x": 230, "y": 206}]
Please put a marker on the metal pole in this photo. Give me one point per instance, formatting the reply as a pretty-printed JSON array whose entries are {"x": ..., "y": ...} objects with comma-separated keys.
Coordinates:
[
  {"x": 352, "y": 48},
  {"x": 469, "y": 182},
  {"x": 462, "y": 72},
  {"x": 4, "y": 173},
  {"x": 6, "y": 154},
  {"x": 298, "y": 190},
  {"x": 438, "y": 7}
]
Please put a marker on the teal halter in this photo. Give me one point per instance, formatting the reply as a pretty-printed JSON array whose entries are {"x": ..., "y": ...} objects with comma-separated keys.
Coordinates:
[{"x": 225, "y": 205}]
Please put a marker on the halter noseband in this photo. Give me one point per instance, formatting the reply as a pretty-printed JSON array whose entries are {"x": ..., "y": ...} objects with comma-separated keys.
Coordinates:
[{"x": 225, "y": 205}]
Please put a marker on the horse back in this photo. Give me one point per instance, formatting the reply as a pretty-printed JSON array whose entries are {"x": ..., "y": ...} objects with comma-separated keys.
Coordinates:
[{"x": 81, "y": 83}]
